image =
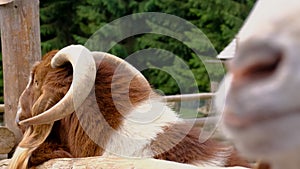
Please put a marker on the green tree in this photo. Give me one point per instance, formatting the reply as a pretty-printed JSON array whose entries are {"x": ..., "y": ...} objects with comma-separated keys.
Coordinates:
[
  {"x": 66, "y": 22},
  {"x": 57, "y": 23},
  {"x": 220, "y": 20}
]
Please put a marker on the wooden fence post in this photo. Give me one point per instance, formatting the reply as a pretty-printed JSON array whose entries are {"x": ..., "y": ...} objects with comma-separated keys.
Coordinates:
[{"x": 20, "y": 37}]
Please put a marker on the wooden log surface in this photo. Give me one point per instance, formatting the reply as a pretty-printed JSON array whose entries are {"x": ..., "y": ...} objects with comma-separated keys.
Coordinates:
[
  {"x": 113, "y": 163},
  {"x": 7, "y": 140}
]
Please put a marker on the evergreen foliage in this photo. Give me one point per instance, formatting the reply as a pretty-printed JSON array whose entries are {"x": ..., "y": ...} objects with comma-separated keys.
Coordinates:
[
  {"x": 57, "y": 25},
  {"x": 65, "y": 22}
]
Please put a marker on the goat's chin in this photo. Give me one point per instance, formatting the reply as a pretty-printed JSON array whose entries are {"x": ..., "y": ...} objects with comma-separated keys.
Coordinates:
[{"x": 267, "y": 139}]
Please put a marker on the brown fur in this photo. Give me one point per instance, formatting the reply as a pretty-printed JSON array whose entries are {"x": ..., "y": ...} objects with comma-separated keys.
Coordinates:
[
  {"x": 68, "y": 136},
  {"x": 189, "y": 150},
  {"x": 262, "y": 165}
]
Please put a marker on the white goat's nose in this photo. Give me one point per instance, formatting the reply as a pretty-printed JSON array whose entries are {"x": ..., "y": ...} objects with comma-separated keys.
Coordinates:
[
  {"x": 255, "y": 60},
  {"x": 257, "y": 76}
]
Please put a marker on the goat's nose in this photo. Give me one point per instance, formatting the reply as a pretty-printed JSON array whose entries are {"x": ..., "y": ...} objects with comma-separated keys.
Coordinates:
[
  {"x": 255, "y": 60},
  {"x": 17, "y": 119}
]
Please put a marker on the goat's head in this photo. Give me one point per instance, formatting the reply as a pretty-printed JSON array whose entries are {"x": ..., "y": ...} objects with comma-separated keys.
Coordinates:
[
  {"x": 47, "y": 85},
  {"x": 28, "y": 105},
  {"x": 45, "y": 99},
  {"x": 262, "y": 110}
]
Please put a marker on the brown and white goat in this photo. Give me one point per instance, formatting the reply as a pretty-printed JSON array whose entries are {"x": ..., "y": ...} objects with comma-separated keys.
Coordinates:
[
  {"x": 262, "y": 106},
  {"x": 117, "y": 113}
]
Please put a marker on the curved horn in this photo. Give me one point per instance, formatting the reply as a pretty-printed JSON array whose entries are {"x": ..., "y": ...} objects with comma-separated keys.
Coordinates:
[
  {"x": 99, "y": 56},
  {"x": 84, "y": 74}
]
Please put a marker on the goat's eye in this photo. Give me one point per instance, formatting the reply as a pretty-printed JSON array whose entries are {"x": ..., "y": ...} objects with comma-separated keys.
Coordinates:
[{"x": 36, "y": 83}]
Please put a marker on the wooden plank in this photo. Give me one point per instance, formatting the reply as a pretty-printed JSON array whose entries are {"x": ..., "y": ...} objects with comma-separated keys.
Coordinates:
[
  {"x": 188, "y": 97},
  {"x": 20, "y": 37},
  {"x": 7, "y": 140}
]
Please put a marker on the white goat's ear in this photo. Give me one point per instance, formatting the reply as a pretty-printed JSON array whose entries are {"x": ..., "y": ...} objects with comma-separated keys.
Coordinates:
[{"x": 222, "y": 93}]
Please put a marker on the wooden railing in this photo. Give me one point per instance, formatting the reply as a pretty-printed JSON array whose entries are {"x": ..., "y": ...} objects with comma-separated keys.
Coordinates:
[
  {"x": 171, "y": 98},
  {"x": 188, "y": 97}
]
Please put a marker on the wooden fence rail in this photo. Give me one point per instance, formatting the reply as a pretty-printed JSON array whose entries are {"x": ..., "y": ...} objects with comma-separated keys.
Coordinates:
[
  {"x": 171, "y": 98},
  {"x": 188, "y": 97}
]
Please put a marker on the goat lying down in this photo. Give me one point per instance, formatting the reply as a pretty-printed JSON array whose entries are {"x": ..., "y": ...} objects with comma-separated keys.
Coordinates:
[{"x": 75, "y": 78}]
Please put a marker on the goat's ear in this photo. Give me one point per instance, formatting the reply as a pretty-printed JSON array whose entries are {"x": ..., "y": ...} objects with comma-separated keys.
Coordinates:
[
  {"x": 34, "y": 135},
  {"x": 44, "y": 102},
  {"x": 37, "y": 133}
]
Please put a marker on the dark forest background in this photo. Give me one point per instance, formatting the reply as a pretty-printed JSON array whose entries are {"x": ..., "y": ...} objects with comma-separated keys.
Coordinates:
[{"x": 65, "y": 22}]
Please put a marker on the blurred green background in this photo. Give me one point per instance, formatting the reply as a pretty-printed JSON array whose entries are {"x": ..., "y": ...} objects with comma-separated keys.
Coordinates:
[{"x": 65, "y": 22}]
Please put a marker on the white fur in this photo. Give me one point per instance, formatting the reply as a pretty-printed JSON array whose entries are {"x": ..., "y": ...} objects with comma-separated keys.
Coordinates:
[
  {"x": 19, "y": 111},
  {"x": 139, "y": 128},
  {"x": 29, "y": 81},
  {"x": 221, "y": 158},
  {"x": 20, "y": 150},
  {"x": 19, "y": 153},
  {"x": 222, "y": 93}
]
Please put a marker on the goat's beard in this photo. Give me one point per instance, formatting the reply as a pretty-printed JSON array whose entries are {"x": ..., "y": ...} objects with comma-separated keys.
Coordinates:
[{"x": 33, "y": 137}]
